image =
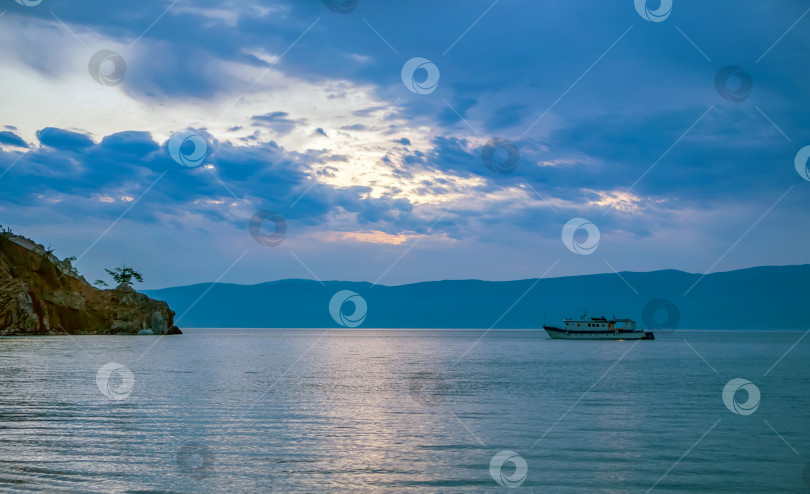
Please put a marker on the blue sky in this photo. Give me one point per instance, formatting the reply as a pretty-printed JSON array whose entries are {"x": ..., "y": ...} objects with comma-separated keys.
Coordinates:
[{"x": 304, "y": 111}]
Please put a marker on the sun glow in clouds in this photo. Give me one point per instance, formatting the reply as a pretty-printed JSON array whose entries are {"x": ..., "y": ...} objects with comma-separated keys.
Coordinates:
[{"x": 626, "y": 202}]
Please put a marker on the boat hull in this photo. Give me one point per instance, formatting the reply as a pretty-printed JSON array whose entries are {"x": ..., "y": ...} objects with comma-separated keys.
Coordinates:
[{"x": 563, "y": 334}]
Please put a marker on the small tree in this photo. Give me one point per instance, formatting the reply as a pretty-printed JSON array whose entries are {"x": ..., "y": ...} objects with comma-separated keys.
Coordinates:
[
  {"x": 100, "y": 283},
  {"x": 125, "y": 275}
]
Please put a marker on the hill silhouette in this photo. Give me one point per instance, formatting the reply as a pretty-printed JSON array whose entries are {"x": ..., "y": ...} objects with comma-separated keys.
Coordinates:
[{"x": 772, "y": 297}]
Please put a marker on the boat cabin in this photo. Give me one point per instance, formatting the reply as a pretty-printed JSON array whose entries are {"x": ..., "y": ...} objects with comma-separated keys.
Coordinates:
[{"x": 599, "y": 324}]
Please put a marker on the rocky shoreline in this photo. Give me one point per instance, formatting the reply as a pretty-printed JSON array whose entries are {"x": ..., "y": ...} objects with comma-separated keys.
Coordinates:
[{"x": 43, "y": 295}]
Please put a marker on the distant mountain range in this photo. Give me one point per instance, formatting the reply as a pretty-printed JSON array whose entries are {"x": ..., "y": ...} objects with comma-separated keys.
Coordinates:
[{"x": 773, "y": 297}]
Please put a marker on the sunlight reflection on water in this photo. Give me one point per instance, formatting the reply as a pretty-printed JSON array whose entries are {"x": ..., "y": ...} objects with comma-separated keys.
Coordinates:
[{"x": 311, "y": 410}]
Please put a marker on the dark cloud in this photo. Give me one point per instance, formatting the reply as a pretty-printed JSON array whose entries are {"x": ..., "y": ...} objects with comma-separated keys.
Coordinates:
[
  {"x": 354, "y": 127},
  {"x": 506, "y": 116},
  {"x": 12, "y": 139},
  {"x": 461, "y": 106},
  {"x": 126, "y": 163},
  {"x": 369, "y": 111},
  {"x": 63, "y": 139},
  {"x": 277, "y": 120},
  {"x": 272, "y": 117}
]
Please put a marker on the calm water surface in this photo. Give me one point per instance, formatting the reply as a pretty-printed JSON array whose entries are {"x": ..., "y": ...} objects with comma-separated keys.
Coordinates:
[{"x": 402, "y": 411}]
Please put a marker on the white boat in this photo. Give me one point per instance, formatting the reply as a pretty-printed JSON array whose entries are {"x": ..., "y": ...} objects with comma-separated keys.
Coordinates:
[{"x": 598, "y": 328}]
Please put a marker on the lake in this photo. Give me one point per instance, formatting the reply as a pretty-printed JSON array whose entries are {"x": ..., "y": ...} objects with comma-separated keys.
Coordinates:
[{"x": 220, "y": 410}]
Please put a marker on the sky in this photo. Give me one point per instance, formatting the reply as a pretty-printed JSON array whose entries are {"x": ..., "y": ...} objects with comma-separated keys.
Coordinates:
[{"x": 398, "y": 142}]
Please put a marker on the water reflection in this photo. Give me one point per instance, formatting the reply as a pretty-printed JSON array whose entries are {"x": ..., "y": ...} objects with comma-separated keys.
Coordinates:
[{"x": 396, "y": 411}]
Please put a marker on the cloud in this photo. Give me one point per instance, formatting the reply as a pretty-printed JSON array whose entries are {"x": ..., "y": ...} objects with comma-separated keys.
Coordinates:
[
  {"x": 460, "y": 107},
  {"x": 12, "y": 139},
  {"x": 279, "y": 121},
  {"x": 63, "y": 139},
  {"x": 355, "y": 127}
]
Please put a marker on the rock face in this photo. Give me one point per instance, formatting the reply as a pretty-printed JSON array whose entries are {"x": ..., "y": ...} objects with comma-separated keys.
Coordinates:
[{"x": 39, "y": 295}]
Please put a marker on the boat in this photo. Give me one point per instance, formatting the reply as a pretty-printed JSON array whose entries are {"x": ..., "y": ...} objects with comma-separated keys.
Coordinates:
[{"x": 598, "y": 328}]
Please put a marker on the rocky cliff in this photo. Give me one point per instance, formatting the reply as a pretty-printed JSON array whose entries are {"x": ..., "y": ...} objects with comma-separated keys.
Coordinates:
[{"x": 39, "y": 295}]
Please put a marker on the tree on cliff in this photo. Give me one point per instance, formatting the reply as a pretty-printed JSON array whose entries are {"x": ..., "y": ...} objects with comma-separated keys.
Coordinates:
[{"x": 125, "y": 275}]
